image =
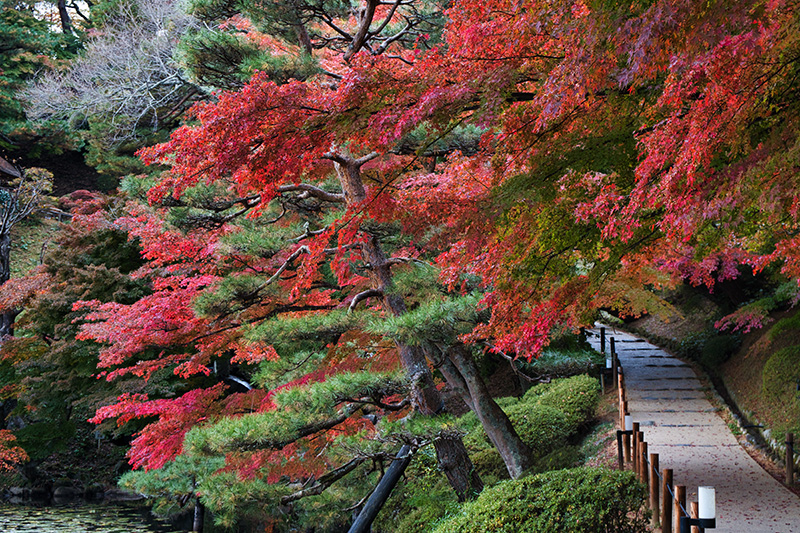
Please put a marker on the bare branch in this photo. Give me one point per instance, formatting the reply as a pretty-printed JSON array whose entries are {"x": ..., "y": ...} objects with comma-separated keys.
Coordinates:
[
  {"x": 388, "y": 18},
  {"x": 349, "y": 161},
  {"x": 308, "y": 234},
  {"x": 369, "y": 157},
  {"x": 360, "y": 297},
  {"x": 402, "y": 260},
  {"x": 311, "y": 190},
  {"x": 325, "y": 481},
  {"x": 297, "y": 253}
]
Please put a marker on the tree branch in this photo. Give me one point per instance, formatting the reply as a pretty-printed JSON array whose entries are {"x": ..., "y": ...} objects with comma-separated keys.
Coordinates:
[
  {"x": 360, "y": 38},
  {"x": 360, "y": 297},
  {"x": 311, "y": 190},
  {"x": 285, "y": 265},
  {"x": 324, "y": 482}
]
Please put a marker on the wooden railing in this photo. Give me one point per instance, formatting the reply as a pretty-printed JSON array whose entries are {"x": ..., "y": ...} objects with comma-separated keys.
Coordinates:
[{"x": 666, "y": 500}]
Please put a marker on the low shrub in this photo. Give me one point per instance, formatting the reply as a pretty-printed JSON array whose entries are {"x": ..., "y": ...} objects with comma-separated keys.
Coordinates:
[
  {"x": 563, "y": 363},
  {"x": 709, "y": 347},
  {"x": 489, "y": 465},
  {"x": 590, "y": 500},
  {"x": 541, "y": 427},
  {"x": 569, "y": 456},
  {"x": 577, "y": 397}
]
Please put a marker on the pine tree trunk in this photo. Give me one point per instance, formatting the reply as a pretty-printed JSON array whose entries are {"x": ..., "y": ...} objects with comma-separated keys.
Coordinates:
[
  {"x": 516, "y": 455},
  {"x": 463, "y": 373},
  {"x": 450, "y": 451},
  {"x": 7, "y": 318},
  {"x": 199, "y": 516},
  {"x": 377, "y": 499}
]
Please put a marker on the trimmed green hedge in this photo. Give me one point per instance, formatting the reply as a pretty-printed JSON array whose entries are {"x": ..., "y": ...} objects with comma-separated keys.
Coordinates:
[
  {"x": 590, "y": 500},
  {"x": 541, "y": 427},
  {"x": 576, "y": 397},
  {"x": 544, "y": 418}
]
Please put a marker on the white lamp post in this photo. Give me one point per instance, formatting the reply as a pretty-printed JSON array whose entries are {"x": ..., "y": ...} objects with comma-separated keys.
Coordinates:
[{"x": 706, "y": 511}]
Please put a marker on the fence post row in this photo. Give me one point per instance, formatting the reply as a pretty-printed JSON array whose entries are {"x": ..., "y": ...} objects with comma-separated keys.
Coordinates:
[{"x": 668, "y": 504}]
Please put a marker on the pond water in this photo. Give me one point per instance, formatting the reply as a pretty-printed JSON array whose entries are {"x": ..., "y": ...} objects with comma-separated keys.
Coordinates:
[{"x": 81, "y": 519}]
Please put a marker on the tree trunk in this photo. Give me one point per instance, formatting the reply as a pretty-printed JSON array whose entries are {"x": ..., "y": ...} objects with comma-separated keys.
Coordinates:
[
  {"x": 66, "y": 23},
  {"x": 7, "y": 318},
  {"x": 199, "y": 516},
  {"x": 459, "y": 370},
  {"x": 450, "y": 452},
  {"x": 516, "y": 455},
  {"x": 381, "y": 493}
]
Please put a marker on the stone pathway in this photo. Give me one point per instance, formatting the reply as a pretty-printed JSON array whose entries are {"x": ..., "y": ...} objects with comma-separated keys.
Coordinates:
[{"x": 667, "y": 399}]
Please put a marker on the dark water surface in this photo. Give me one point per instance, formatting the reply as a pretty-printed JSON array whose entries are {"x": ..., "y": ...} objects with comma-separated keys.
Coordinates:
[{"x": 85, "y": 518}]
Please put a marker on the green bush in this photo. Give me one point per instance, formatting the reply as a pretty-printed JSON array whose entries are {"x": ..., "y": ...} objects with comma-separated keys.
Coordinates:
[
  {"x": 541, "y": 427},
  {"x": 577, "y": 397},
  {"x": 568, "y": 456},
  {"x": 544, "y": 418},
  {"x": 489, "y": 465},
  {"x": 781, "y": 372},
  {"x": 425, "y": 496},
  {"x": 590, "y": 500},
  {"x": 710, "y": 348},
  {"x": 563, "y": 363}
]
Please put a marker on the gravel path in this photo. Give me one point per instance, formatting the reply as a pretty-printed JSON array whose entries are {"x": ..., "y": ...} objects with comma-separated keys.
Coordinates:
[{"x": 680, "y": 424}]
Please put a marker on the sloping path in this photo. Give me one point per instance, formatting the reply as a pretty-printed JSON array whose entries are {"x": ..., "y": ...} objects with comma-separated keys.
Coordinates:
[{"x": 668, "y": 400}]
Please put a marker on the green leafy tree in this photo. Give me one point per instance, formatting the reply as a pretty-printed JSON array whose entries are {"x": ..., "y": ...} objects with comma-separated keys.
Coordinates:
[{"x": 48, "y": 374}]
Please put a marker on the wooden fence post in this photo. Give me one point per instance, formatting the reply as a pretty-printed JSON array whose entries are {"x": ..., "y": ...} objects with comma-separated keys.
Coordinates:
[
  {"x": 680, "y": 505},
  {"x": 602, "y": 340},
  {"x": 666, "y": 501},
  {"x": 655, "y": 504},
  {"x": 635, "y": 449},
  {"x": 789, "y": 458},
  {"x": 693, "y": 513},
  {"x": 614, "y": 363},
  {"x": 643, "y": 466}
]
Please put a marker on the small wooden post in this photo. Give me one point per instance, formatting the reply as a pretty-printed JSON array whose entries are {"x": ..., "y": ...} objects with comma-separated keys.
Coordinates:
[
  {"x": 635, "y": 448},
  {"x": 602, "y": 340},
  {"x": 644, "y": 468},
  {"x": 623, "y": 409},
  {"x": 694, "y": 510},
  {"x": 680, "y": 505},
  {"x": 614, "y": 371},
  {"x": 666, "y": 501},
  {"x": 654, "y": 502},
  {"x": 789, "y": 458}
]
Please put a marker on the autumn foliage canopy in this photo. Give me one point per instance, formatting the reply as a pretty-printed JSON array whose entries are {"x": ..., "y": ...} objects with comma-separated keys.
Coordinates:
[{"x": 522, "y": 165}]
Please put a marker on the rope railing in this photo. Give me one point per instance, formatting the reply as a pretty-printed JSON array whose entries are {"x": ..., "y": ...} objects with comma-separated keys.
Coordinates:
[{"x": 666, "y": 500}]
